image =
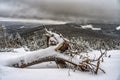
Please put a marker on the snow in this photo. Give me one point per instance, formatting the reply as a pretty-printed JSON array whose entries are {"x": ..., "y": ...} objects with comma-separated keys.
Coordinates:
[
  {"x": 36, "y": 55},
  {"x": 90, "y": 27},
  {"x": 55, "y": 38},
  {"x": 22, "y": 26},
  {"x": 48, "y": 70},
  {"x": 19, "y": 50},
  {"x": 96, "y": 28},
  {"x": 118, "y": 28}
]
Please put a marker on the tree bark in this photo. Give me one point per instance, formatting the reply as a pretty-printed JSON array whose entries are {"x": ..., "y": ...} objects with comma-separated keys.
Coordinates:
[{"x": 45, "y": 59}]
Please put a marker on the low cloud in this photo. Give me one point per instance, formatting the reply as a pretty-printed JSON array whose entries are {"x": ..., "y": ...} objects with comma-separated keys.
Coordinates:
[{"x": 69, "y": 10}]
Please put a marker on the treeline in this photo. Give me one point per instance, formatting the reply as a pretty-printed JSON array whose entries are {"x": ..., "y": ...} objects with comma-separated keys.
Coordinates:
[{"x": 37, "y": 41}]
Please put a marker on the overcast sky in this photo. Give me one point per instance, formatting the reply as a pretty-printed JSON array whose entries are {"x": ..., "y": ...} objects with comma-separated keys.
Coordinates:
[{"x": 71, "y": 10}]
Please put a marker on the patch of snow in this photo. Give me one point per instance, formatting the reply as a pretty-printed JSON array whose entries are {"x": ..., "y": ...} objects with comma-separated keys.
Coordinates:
[
  {"x": 96, "y": 28},
  {"x": 19, "y": 50},
  {"x": 90, "y": 27},
  {"x": 22, "y": 26},
  {"x": 118, "y": 28},
  {"x": 55, "y": 37},
  {"x": 87, "y": 26}
]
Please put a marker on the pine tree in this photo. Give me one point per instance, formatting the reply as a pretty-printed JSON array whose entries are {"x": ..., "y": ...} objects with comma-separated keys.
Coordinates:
[
  {"x": 10, "y": 40},
  {"x": 18, "y": 40},
  {"x": 3, "y": 29}
]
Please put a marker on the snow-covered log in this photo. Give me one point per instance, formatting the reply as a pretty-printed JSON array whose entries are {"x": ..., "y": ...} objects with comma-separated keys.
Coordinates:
[
  {"x": 52, "y": 53},
  {"x": 55, "y": 53},
  {"x": 48, "y": 54}
]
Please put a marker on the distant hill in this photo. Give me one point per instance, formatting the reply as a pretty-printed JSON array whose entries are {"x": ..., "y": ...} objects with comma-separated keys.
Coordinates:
[
  {"x": 72, "y": 30},
  {"x": 107, "y": 32}
]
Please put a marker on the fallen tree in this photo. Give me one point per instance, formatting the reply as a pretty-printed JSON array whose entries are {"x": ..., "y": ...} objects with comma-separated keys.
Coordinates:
[{"x": 59, "y": 50}]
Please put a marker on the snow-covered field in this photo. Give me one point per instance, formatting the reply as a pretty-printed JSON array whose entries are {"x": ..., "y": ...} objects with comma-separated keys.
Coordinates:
[{"x": 49, "y": 71}]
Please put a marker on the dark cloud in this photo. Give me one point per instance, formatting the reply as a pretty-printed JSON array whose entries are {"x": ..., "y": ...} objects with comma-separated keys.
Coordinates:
[{"x": 71, "y": 10}]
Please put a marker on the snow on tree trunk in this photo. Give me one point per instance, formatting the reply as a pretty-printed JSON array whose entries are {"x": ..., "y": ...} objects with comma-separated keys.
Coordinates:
[{"x": 56, "y": 53}]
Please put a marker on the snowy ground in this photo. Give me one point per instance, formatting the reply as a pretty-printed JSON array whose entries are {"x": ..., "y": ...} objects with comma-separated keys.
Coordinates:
[{"x": 49, "y": 71}]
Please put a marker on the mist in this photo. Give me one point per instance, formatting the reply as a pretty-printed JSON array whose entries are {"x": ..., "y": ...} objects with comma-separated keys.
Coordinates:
[{"x": 64, "y": 10}]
